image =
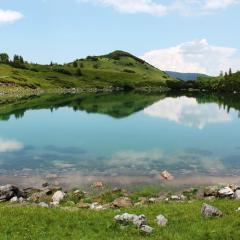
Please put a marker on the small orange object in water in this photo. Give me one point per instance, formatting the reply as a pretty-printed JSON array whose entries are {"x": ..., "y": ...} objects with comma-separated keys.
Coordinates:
[{"x": 166, "y": 175}]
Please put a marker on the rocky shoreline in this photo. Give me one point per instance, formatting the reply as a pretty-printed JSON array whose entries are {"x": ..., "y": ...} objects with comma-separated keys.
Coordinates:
[{"x": 99, "y": 197}]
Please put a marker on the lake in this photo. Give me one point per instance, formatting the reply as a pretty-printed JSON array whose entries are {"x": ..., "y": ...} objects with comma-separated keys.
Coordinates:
[{"x": 122, "y": 139}]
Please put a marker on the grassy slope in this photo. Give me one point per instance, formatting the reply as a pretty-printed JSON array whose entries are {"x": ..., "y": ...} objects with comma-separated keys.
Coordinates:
[
  {"x": 103, "y": 71},
  {"x": 185, "y": 223}
]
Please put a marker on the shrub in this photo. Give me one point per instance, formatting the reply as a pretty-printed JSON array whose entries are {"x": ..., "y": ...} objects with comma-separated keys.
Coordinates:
[
  {"x": 63, "y": 71},
  {"x": 92, "y": 58},
  {"x": 128, "y": 71},
  {"x": 79, "y": 72}
]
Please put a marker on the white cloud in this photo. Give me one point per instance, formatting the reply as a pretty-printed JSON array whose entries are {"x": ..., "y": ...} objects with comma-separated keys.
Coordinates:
[
  {"x": 10, "y": 145},
  {"x": 160, "y": 7},
  {"x": 219, "y": 4},
  {"x": 188, "y": 112},
  {"x": 196, "y": 56},
  {"x": 8, "y": 16},
  {"x": 133, "y": 6}
]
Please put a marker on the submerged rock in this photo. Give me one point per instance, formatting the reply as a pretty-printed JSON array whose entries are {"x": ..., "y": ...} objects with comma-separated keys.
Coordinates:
[
  {"x": 210, "y": 211},
  {"x": 161, "y": 220},
  {"x": 166, "y": 175},
  {"x": 122, "y": 202}
]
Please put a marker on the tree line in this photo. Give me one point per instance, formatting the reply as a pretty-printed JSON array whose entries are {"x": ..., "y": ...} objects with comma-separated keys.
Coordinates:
[
  {"x": 225, "y": 82},
  {"x": 17, "y": 61}
]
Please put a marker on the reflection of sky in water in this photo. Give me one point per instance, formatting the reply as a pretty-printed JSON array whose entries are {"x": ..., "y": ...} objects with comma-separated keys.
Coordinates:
[
  {"x": 188, "y": 112},
  {"x": 176, "y": 134}
]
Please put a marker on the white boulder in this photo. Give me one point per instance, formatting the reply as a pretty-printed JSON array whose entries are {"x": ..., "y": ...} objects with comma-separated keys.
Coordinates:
[
  {"x": 57, "y": 197},
  {"x": 14, "y": 200},
  {"x": 225, "y": 192}
]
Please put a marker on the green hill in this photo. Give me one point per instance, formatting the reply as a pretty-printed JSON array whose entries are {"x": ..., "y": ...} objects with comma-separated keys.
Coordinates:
[{"x": 117, "y": 69}]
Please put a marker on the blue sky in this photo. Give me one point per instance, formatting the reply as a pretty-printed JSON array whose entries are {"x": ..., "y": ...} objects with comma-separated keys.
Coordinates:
[{"x": 182, "y": 35}]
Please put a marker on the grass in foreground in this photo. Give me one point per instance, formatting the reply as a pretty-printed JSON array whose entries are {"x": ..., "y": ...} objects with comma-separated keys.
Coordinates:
[{"x": 185, "y": 222}]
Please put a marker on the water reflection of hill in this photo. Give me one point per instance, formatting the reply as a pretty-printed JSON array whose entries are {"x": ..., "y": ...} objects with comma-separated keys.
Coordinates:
[{"x": 117, "y": 105}]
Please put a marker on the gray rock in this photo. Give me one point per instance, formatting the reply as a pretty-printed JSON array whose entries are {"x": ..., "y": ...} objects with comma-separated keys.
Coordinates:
[
  {"x": 133, "y": 218},
  {"x": 43, "y": 204},
  {"x": 45, "y": 184},
  {"x": 210, "y": 211},
  {"x": 161, "y": 220},
  {"x": 21, "y": 200},
  {"x": 140, "y": 220},
  {"x": 225, "y": 192},
  {"x": 210, "y": 191},
  {"x": 237, "y": 195},
  {"x": 146, "y": 229},
  {"x": 8, "y": 191},
  {"x": 40, "y": 196},
  {"x": 122, "y": 202}
]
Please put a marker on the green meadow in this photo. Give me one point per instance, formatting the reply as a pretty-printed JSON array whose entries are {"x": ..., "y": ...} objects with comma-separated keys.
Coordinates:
[
  {"x": 185, "y": 222},
  {"x": 117, "y": 69}
]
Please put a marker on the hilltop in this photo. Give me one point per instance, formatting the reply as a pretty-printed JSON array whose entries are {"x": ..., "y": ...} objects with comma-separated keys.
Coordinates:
[{"x": 117, "y": 69}]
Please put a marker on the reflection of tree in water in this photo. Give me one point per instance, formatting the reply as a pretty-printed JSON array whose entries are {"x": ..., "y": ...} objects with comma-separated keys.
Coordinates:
[{"x": 117, "y": 105}]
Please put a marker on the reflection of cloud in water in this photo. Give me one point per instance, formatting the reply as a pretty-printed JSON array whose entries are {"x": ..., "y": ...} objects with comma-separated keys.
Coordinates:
[
  {"x": 192, "y": 160},
  {"x": 188, "y": 112},
  {"x": 10, "y": 145}
]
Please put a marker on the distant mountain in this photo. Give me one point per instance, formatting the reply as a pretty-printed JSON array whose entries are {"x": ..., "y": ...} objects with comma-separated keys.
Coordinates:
[{"x": 185, "y": 76}]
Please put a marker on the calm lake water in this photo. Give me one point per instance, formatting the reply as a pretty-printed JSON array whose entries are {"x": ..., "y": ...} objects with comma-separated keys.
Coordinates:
[{"x": 122, "y": 139}]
